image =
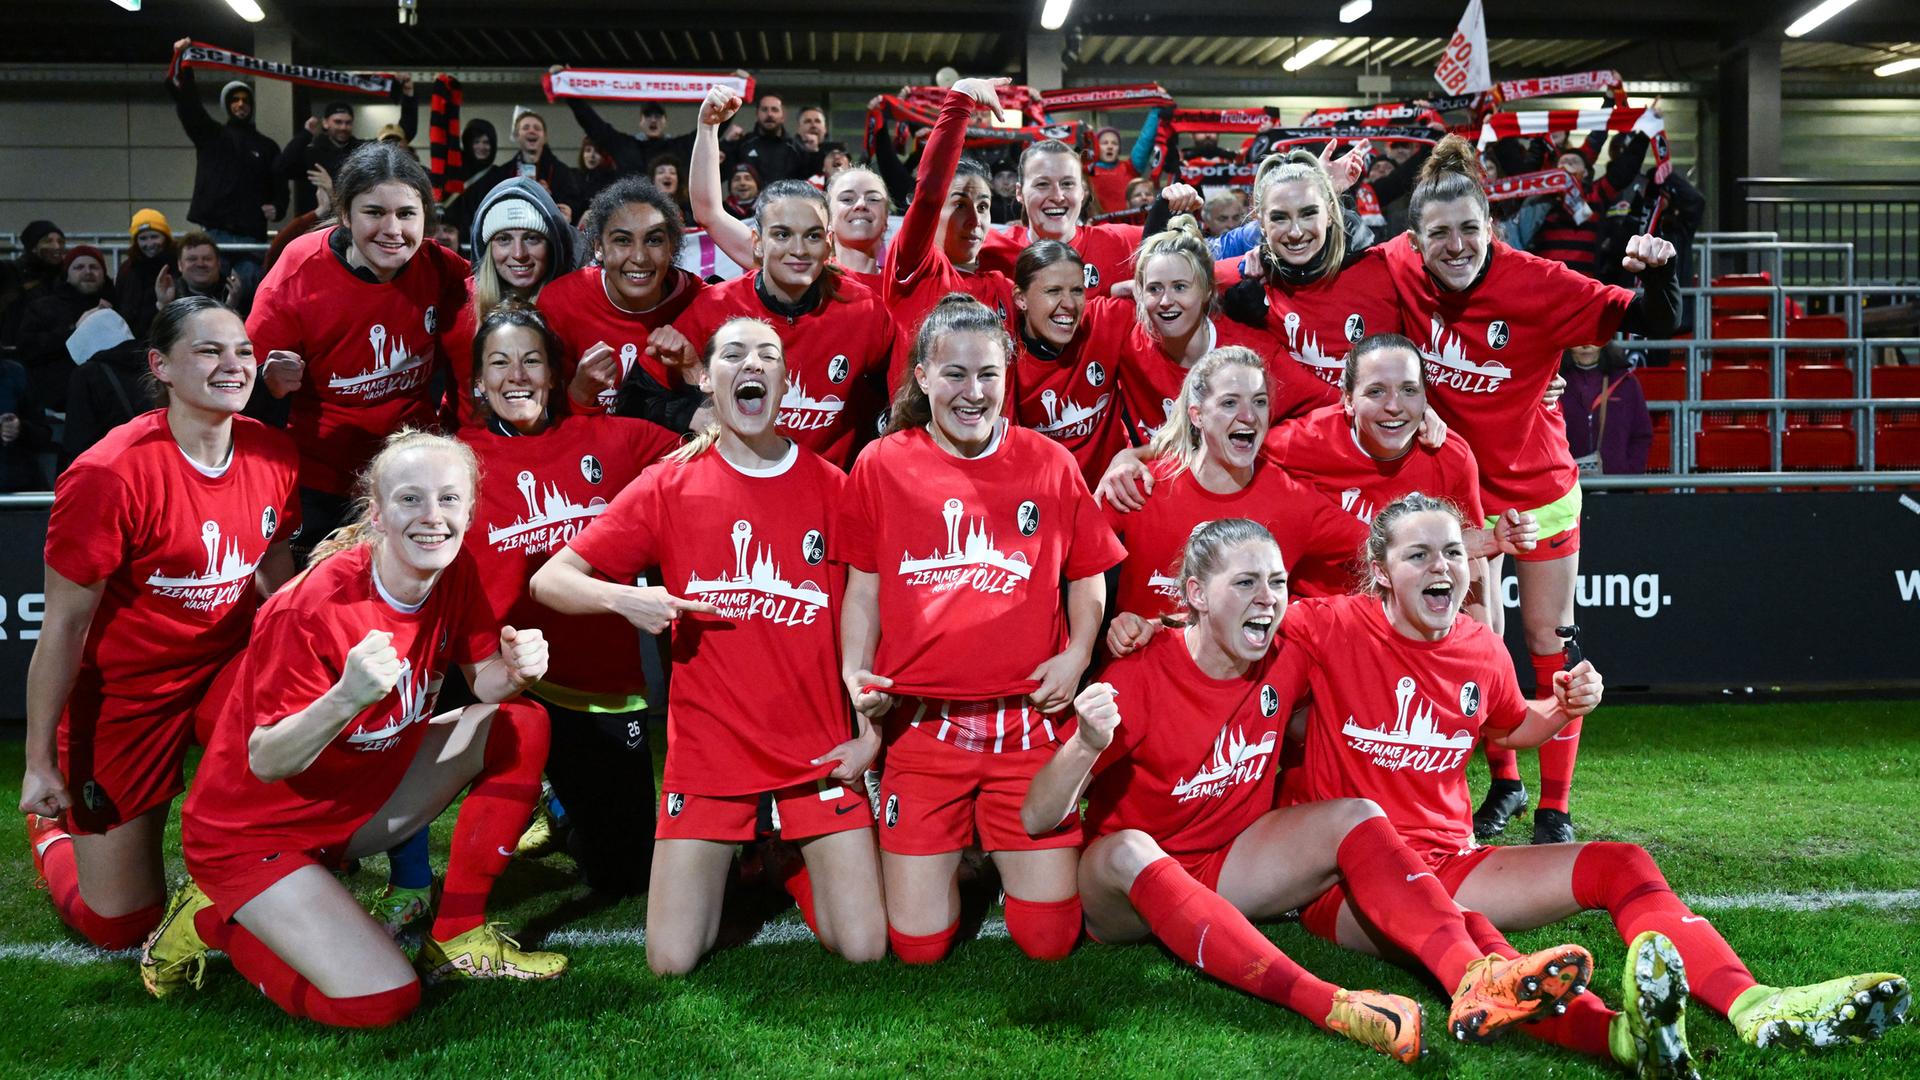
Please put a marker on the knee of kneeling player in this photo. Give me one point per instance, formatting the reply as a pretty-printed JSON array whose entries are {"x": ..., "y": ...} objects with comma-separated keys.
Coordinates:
[
  {"x": 383, "y": 1009},
  {"x": 1044, "y": 930},
  {"x": 922, "y": 948}
]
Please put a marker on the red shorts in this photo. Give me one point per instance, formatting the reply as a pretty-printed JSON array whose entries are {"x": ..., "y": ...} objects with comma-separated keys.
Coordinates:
[
  {"x": 1204, "y": 866},
  {"x": 816, "y": 808},
  {"x": 936, "y": 798},
  {"x": 1558, "y": 546},
  {"x": 233, "y": 877},
  {"x": 121, "y": 757},
  {"x": 1451, "y": 867}
]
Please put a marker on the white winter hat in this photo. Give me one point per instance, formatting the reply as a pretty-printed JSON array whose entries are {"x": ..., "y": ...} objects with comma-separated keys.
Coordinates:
[{"x": 512, "y": 214}]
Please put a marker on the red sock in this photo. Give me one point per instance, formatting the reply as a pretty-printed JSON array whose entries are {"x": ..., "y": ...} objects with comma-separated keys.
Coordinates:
[
  {"x": 923, "y": 948},
  {"x": 1503, "y": 763},
  {"x": 1623, "y": 880},
  {"x": 799, "y": 885},
  {"x": 1188, "y": 917},
  {"x": 1582, "y": 1028},
  {"x": 1557, "y": 754},
  {"x": 291, "y": 991},
  {"x": 1397, "y": 893},
  {"x": 1044, "y": 930},
  {"x": 493, "y": 815},
  {"x": 112, "y": 932},
  {"x": 1545, "y": 665}
]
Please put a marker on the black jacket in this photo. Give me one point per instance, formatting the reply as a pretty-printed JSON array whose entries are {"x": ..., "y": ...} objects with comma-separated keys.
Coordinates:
[
  {"x": 630, "y": 153},
  {"x": 134, "y": 297},
  {"x": 305, "y": 150},
  {"x": 44, "y": 330},
  {"x": 773, "y": 158},
  {"x": 233, "y": 167},
  {"x": 105, "y": 392},
  {"x": 561, "y": 182},
  {"x": 19, "y": 468}
]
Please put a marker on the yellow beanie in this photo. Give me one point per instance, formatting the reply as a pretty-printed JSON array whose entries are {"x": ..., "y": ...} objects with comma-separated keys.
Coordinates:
[{"x": 149, "y": 218}]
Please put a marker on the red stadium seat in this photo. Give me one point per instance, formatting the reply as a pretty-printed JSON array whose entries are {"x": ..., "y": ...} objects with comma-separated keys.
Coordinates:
[
  {"x": 1734, "y": 384},
  {"x": 1729, "y": 305},
  {"x": 1897, "y": 446},
  {"x": 1818, "y": 326},
  {"x": 1818, "y": 446},
  {"x": 1733, "y": 448},
  {"x": 1660, "y": 450},
  {"x": 1895, "y": 381},
  {"x": 1820, "y": 381},
  {"x": 1665, "y": 383},
  {"x": 1741, "y": 326}
]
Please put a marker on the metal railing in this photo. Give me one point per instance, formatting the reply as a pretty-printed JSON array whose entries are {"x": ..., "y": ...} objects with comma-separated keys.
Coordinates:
[
  {"x": 1769, "y": 480},
  {"x": 1862, "y": 416},
  {"x": 1881, "y": 217}
]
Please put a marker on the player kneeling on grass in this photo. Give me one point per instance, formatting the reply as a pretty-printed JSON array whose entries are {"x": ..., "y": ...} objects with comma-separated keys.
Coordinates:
[
  {"x": 757, "y": 725},
  {"x": 1179, "y": 743},
  {"x": 1403, "y": 686},
  {"x": 328, "y": 750}
]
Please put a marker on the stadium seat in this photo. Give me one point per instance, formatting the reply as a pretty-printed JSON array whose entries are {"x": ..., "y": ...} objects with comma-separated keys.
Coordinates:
[
  {"x": 1818, "y": 446},
  {"x": 1897, "y": 446},
  {"x": 1820, "y": 381},
  {"x": 1818, "y": 326},
  {"x": 1664, "y": 383},
  {"x": 1733, "y": 448},
  {"x": 1660, "y": 450},
  {"x": 1894, "y": 381},
  {"x": 1741, "y": 326},
  {"x": 1732, "y": 305},
  {"x": 1734, "y": 384}
]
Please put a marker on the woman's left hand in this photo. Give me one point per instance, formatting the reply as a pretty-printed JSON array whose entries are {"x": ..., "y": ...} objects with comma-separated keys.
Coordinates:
[
  {"x": 853, "y": 756},
  {"x": 525, "y": 654},
  {"x": 1058, "y": 677}
]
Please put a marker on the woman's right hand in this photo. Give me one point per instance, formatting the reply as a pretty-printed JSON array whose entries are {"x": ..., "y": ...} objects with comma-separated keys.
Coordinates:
[
  {"x": 653, "y": 609},
  {"x": 372, "y": 670},
  {"x": 43, "y": 791},
  {"x": 1098, "y": 714},
  {"x": 722, "y": 102},
  {"x": 869, "y": 694},
  {"x": 597, "y": 372},
  {"x": 1126, "y": 483},
  {"x": 282, "y": 371},
  {"x": 986, "y": 94},
  {"x": 1128, "y": 632}
]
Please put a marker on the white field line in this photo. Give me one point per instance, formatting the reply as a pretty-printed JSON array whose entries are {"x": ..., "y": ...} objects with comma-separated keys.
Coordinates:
[{"x": 791, "y": 931}]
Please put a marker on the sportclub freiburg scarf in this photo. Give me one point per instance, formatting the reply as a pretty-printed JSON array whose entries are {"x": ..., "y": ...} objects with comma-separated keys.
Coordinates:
[
  {"x": 600, "y": 85},
  {"x": 199, "y": 55}
]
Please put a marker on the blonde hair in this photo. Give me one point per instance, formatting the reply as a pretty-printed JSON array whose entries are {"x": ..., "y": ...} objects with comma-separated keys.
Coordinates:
[
  {"x": 1206, "y": 546},
  {"x": 358, "y": 528},
  {"x": 703, "y": 441},
  {"x": 1178, "y": 438},
  {"x": 1293, "y": 165},
  {"x": 1182, "y": 239},
  {"x": 1373, "y": 550}
]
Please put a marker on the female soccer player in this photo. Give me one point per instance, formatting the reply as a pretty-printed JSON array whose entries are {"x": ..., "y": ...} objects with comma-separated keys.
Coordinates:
[
  {"x": 1173, "y": 291},
  {"x": 1363, "y": 453},
  {"x": 357, "y": 309},
  {"x": 521, "y": 243},
  {"x": 974, "y": 588},
  {"x": 552, "y": 476},
  {"x": 1319, "y": 298},
  {"x": 606, "y": 313},
  {"x": 163, "y": 537},
  {"x": 836, "y": 335},
  {"x": 1065, "y": 372},
  {"x": 1052, "y": 195},
  {"x": 328, "y": 749},
  {"x": 1178, "y": 742},
  {"x": 739, "y": 522},
  {"x": 1206, "y": 464},
  {"x": 937, "y": 250},
  {"x": 856, "y": 196},
  {"x": 1403, "y": 686},
  {"x": 1495, "y": 321}
]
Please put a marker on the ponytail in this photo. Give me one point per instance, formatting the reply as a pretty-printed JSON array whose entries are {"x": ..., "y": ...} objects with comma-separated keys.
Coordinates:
[
  {"x": 1373, "y": 550},
  {"x": 1451, "y": 172},
  {"x": 1182, "y": 238},
  {"x": 1178, "y": 439},
  {"x": 1293, "y": 165},
  {"x": 780, "y": 191},
  {"x": 1206, "y": 546}
]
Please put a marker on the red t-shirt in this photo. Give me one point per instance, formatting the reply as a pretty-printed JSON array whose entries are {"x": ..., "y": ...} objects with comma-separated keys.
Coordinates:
[
  {"x": 756, "y": 692},
  {"x": 1315, "y": 324},
  {"x": 578, "y": 309},
  {"x": 298, "y": 650},
  {"x": 836, "y": 355},
  {"x": 1150, "y": 381},
  {"x": 1394, "y": 719},
  {"x": 1491, "y": 351},
  {"x": 1109, "y": 184},
  {"x": 1317, "y": 541},
  {"x": 1106, "y": 249},
  {"x": 1321, "y": 451},
  {"x": 970, "y": 553},
  {"x": 176, "y": 548},
  {"x": 1195, "y": 758},
  {"x": 1075, "y": 399},
  {"x": 370, "y": 350},
  {"x": 540, "y": 492}
]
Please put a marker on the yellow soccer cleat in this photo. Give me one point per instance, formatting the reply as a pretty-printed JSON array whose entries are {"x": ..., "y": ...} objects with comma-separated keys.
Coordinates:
[
  {"x": 484, "y": 952},
  {"x": 1497, "y": 992},
  {"x": 1388, "y": 1023},
  {"x": 399, "y": 908},
  {"x": 1649, "y": 1035},
  {"x": 1854, "y": 1009},
  {"x": 174, "y": 957},
  {"x": 542, "y": 837}
]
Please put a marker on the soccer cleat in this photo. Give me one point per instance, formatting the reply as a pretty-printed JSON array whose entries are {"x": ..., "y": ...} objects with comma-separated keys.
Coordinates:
[
  {"x": 1552, "y": 826},
  {"x": 542, "y": 837},
  {"x": 1497, "y": 992},
  {"x": 1649, "y": 1035},
  {"x": 1388, "y": 1023},
  {"x": 398, "y": 908},
  {"x": 43, "y": 833},
  {"x": 1505, "y": 798},
  {"x": 1854, "y": 1009},
  {"x": 484, "y": 952},
  {"x": 174, "y": 957}
]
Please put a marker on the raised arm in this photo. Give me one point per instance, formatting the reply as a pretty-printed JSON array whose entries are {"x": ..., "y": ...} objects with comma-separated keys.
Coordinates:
[
  {"x": 289, "y": 745},
  {"x": 186, "y": 102},
  {"x": 938, "y": 161},
  {"x": 1057, "y": 787},
  {"x": 1575, "y": 694},
  {"x": 704, "y": 182}
]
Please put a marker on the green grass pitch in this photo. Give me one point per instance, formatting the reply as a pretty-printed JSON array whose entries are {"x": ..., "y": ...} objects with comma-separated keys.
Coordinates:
[{"x": 1735, "y": 801}]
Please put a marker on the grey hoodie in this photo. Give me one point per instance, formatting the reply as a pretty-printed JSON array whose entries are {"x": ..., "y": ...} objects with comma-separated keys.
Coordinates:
[{"x": 562, "y": 242}]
